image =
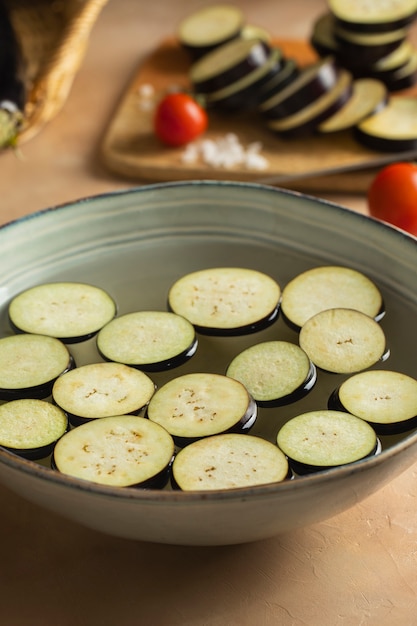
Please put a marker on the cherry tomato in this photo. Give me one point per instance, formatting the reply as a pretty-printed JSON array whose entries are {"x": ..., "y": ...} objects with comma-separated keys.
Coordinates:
[
  {"x": 392, "y": 196},
  {"x": 179, "y": 119}
]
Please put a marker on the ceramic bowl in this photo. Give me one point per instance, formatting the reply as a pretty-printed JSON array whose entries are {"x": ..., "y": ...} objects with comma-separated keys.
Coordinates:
[{"x": 135, "y": 243}]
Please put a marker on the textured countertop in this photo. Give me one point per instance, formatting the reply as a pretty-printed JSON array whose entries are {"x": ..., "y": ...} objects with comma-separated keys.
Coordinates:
[{"x": 358, "y": 568}]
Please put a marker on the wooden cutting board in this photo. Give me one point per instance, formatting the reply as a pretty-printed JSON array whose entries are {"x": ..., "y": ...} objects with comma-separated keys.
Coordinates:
[{"x": 131, "y": 150}]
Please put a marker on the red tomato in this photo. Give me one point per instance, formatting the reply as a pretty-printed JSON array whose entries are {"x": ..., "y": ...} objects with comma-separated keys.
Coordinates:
[
  {"x": 179, "y": 119},
  {"x": 392, "y": 196}
]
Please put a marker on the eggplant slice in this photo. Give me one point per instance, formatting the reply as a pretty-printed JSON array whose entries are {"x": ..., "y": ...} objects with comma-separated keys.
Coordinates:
[
  {"x": 393, "y": 129},
  {"x": 385, "y": 399},
  {"x": 120, "y": 451},
  {"x": 369, "y": 96},
  {"x": 201, "y": 404},
  {"x": 30, "y": 364},
  {"x": 313, "y": 81},
  {"x": 226, "y": 300},
  {"x": 329, "y": 287},
  {"x": 367, "y": 48},
  {"x": 100, "y": 390},
  {"x": 31, "y": 427},
  {"x": 149, "y": 340},
  {"x": 210, "y": 27},
  {"x": 274, "y": 372},
  {"x": 228, "y": 461},
  {"x": 378, "y": 16},
  {"x": 244, "y": 94},
  {"x": 319, "y": 440},
  {"x": 307, "y": 119},
  {"x": 72, "y": 312},
  {"x": 343, "y": 341},
  {"x": 228, "y": 63}
]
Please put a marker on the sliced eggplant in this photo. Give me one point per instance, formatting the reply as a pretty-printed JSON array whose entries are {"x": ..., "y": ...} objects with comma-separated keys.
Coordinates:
[
  {"x": 323, "y": 439},
  {"x": 149, "y": 340},
  {"x": 369, "y": 96},
  {"x": 329, "y": 287},
  {"x": 226, "y": 300},
  {"x": 228, "y": 63},
  {"x": 402, "y": 77},
  {"x": 72, "y": 312},
  {"x": 201, "y": 404},
  {"x": 274, "y": 372},
  {"x": 397, "y": 59},
  {"x": 323, "y": 38},
  {"x": 360, "y": 49},
  {"x": 100, "y": 390},
  {"x": 244, "y": 94},
  {"x": 120, "y": 451},
  {"x": 253, "y": 31},
  {"x": 393, "y": 129},
  {"x": 314, "y": 81},
  {"x": 209, "y": 27},
  {"x": 31, "y": 427},
  {"x": 228, "y": 462},
  {"x": 30, "y": 364},
  {"x": 288, "y": 72},
  {"x": 343, "y": 341},
  {"x": 308, "y": 119},
  {"x": 385, "y": 399},
  {"x": 378, "y": 16}
]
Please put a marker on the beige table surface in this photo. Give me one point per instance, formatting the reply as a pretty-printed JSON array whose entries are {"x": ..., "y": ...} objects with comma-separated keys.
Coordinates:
[{"x": 359, "y": 568}]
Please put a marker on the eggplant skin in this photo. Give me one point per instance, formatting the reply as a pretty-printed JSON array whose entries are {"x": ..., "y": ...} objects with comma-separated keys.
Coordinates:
[{"x": 12, "y": 83}]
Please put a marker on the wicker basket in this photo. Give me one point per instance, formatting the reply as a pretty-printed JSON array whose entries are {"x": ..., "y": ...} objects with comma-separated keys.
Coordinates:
[{"x": 53, "y": 35}]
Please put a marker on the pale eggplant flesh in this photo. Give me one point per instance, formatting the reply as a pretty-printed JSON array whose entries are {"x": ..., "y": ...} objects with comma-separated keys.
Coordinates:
[
  {"x": 226, "y": 301},
  {"x": 70, "y": 311},
  {"x": 323, "y": 439},
  {"x": 393, "y": 129},
  {"x": 229, "y": 461},
  {"x": 209, "y": 27},
  {"x": 202, "y": 404},
  {"x": 31, "y": 427},
  {"x": 117, "y": 451},
  {"x": 275, "y": 373},
  {"x": 386, "y": 399},
  {"x": 361, "y": 16},
  {"x": 151, "y": 341}
]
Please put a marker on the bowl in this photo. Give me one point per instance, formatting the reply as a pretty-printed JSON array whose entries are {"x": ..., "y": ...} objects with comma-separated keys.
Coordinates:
[{"x": 135, "y": 243}]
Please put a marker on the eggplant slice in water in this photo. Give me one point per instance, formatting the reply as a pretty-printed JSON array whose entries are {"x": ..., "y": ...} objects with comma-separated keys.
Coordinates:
[
  {"x": 98, "y": 390},
  {"x": 226, "y": 300},
  {"x": 30, "y": 364},
  {"x": 72, "y": 312},
  {"x": 274, "y": 372},
  {"x": 201, "y": 404},
  {"x": 120, "y": 451},
  {"x": 31, "y": 427},
  {"x": 149, "y": 340},
  {"x": 328, "y": 287},
  {"x": 343, "y": 341},
  {"x": 307, "y": 119},
  {"x": 228, "y": 461},
  {"x": 385, "y": 399},
  {"x": 319, "y": 440}
]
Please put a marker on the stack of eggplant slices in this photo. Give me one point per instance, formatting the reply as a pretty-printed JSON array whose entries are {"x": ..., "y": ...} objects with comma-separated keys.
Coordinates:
[{"x": 365, "y": 58}]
